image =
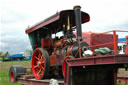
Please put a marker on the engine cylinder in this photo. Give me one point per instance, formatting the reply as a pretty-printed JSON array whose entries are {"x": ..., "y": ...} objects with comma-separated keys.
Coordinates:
[{"x": 73, "y": 50}]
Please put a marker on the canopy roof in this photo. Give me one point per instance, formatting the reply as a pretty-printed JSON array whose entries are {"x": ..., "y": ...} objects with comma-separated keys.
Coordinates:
[{"x": 55, "y": 22}]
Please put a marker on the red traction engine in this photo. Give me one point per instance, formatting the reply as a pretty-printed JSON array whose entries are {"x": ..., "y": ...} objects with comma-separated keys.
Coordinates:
[{"x": 53, "y": 42}]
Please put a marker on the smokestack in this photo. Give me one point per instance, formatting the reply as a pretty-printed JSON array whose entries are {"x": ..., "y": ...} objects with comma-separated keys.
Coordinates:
[{"x": 78, "y": 21}]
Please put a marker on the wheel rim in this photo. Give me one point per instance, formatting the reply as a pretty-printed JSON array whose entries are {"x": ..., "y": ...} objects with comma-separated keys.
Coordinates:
[
  {"x": 12, "y": 76},
  {"x": 38, "y": 64},
  {"x": 64, "y": 65}
]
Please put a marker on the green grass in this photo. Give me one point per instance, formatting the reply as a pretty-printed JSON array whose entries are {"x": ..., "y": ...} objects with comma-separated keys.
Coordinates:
[
  {"x": 4, "y": 71},
  {"x": 4, "y": 58},
  {"x": 118, "y": 83}
]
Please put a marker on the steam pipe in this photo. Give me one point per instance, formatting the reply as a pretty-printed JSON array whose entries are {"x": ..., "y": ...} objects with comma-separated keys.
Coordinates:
[{"x": 78, "y": 21}]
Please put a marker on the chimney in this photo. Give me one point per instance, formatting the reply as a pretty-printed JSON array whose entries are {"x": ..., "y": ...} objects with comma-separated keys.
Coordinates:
[{"x": 78, "y": 21}]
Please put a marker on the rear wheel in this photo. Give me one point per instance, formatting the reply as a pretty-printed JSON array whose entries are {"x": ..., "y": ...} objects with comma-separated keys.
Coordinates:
[
  {"x": 15, "y": 72},
  {"x": 64, "y": 64},
  {"x": 40, "y": 63}
]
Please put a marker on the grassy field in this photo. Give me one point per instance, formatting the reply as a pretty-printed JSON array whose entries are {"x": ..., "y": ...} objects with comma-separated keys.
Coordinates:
[{"x": 4, "y": 71}]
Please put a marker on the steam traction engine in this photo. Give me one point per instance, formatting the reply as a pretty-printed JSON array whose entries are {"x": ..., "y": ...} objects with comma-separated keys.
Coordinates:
[
  {"x": 51, "y": 50},
  {"x": 59, "y": 52}
]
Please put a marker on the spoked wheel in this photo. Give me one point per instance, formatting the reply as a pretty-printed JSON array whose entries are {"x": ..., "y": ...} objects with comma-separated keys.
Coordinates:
[
  {"x": 40, "y": 63},
  {"x": 64, "y": 64}
]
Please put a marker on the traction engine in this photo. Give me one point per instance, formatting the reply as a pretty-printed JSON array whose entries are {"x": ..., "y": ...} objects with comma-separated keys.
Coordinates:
[{"x": 52, "y": 51}]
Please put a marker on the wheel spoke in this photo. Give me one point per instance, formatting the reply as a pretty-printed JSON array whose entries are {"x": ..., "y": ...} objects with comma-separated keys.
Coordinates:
[
  {"x": 39, "y": 55},
  {"x": 36, "y": 69},
  {"x": 39, "y": 71},
  {"x": 36, "y": 57},
  {"x": 36, "y": 66},
  {"x": 42, "y": 62},
  {"x": 42, "y": 68},
  {"x": 36, "y": 62}
]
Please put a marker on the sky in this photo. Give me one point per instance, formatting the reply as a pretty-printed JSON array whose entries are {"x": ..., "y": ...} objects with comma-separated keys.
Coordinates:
[{"x": 17, "y": 15}]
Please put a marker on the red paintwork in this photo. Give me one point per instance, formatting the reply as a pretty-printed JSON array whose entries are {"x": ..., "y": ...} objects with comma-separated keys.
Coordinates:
[
  {"x": 98, "y": 40},
  {"x": 126, "y": 51},
  {"x": 43, "y": 23},
  {"x": 56, "y": 60},
  {"x": 12, "y": 77},
  {"x": 47, "y": 43},
  {"x": 60, "y": 60},
  {"x": 37, "y": 68},
  {"x": 58, "y": 43},
  {"x": 64, "y": 65},
  {"x": 115, "y": 42},
  {"x": 70, "y": 50},
  {"x": 96, "y": 60},
  {"x": 56, "y": 18},
  {"x": 53, "y": 60},
  {"x": 91, "y": 61}
]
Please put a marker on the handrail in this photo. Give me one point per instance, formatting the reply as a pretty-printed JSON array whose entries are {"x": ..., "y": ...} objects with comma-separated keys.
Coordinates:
[
  {"x": 115, "y": 40},
  {"x": 98, "y": 45}
]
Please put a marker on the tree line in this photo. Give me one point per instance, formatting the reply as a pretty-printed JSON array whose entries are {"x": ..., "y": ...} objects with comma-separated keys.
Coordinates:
[{"x": 4, "y": 55}]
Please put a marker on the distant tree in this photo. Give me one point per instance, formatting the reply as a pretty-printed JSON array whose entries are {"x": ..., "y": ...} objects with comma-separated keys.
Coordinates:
[
  {"x": 28, "y": 52},
  {"x": 4, "y": 55},
  {"x": 1, "y": 53}
]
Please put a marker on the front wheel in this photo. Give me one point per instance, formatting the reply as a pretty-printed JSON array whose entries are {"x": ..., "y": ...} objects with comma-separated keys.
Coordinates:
[
  {"x": 64, "y": 64},
  {"x": 40, "y": 63}
]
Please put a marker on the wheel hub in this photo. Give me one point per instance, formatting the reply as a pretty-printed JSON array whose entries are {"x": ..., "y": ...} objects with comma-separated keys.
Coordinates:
[{"x": 38, "y": 63}]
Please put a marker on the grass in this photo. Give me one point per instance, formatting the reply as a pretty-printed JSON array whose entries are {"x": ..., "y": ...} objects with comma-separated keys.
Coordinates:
[
  {"x": 122, "y": 72},
  {"x": 4, "y": 58},
  {"x": 4, "y": 71},
  {"x": 118, "y": 83},
  {"x": 5, "y": 66}
]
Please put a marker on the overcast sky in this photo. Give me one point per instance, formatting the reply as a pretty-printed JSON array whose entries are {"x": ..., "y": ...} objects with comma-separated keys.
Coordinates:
[{"x": 17, "y": 15}]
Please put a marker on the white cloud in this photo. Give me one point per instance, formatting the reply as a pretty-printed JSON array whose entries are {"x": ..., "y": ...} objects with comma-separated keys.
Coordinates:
[
  {"x": 3, "y": 44},
  {"x": 16, "y": 15}
]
